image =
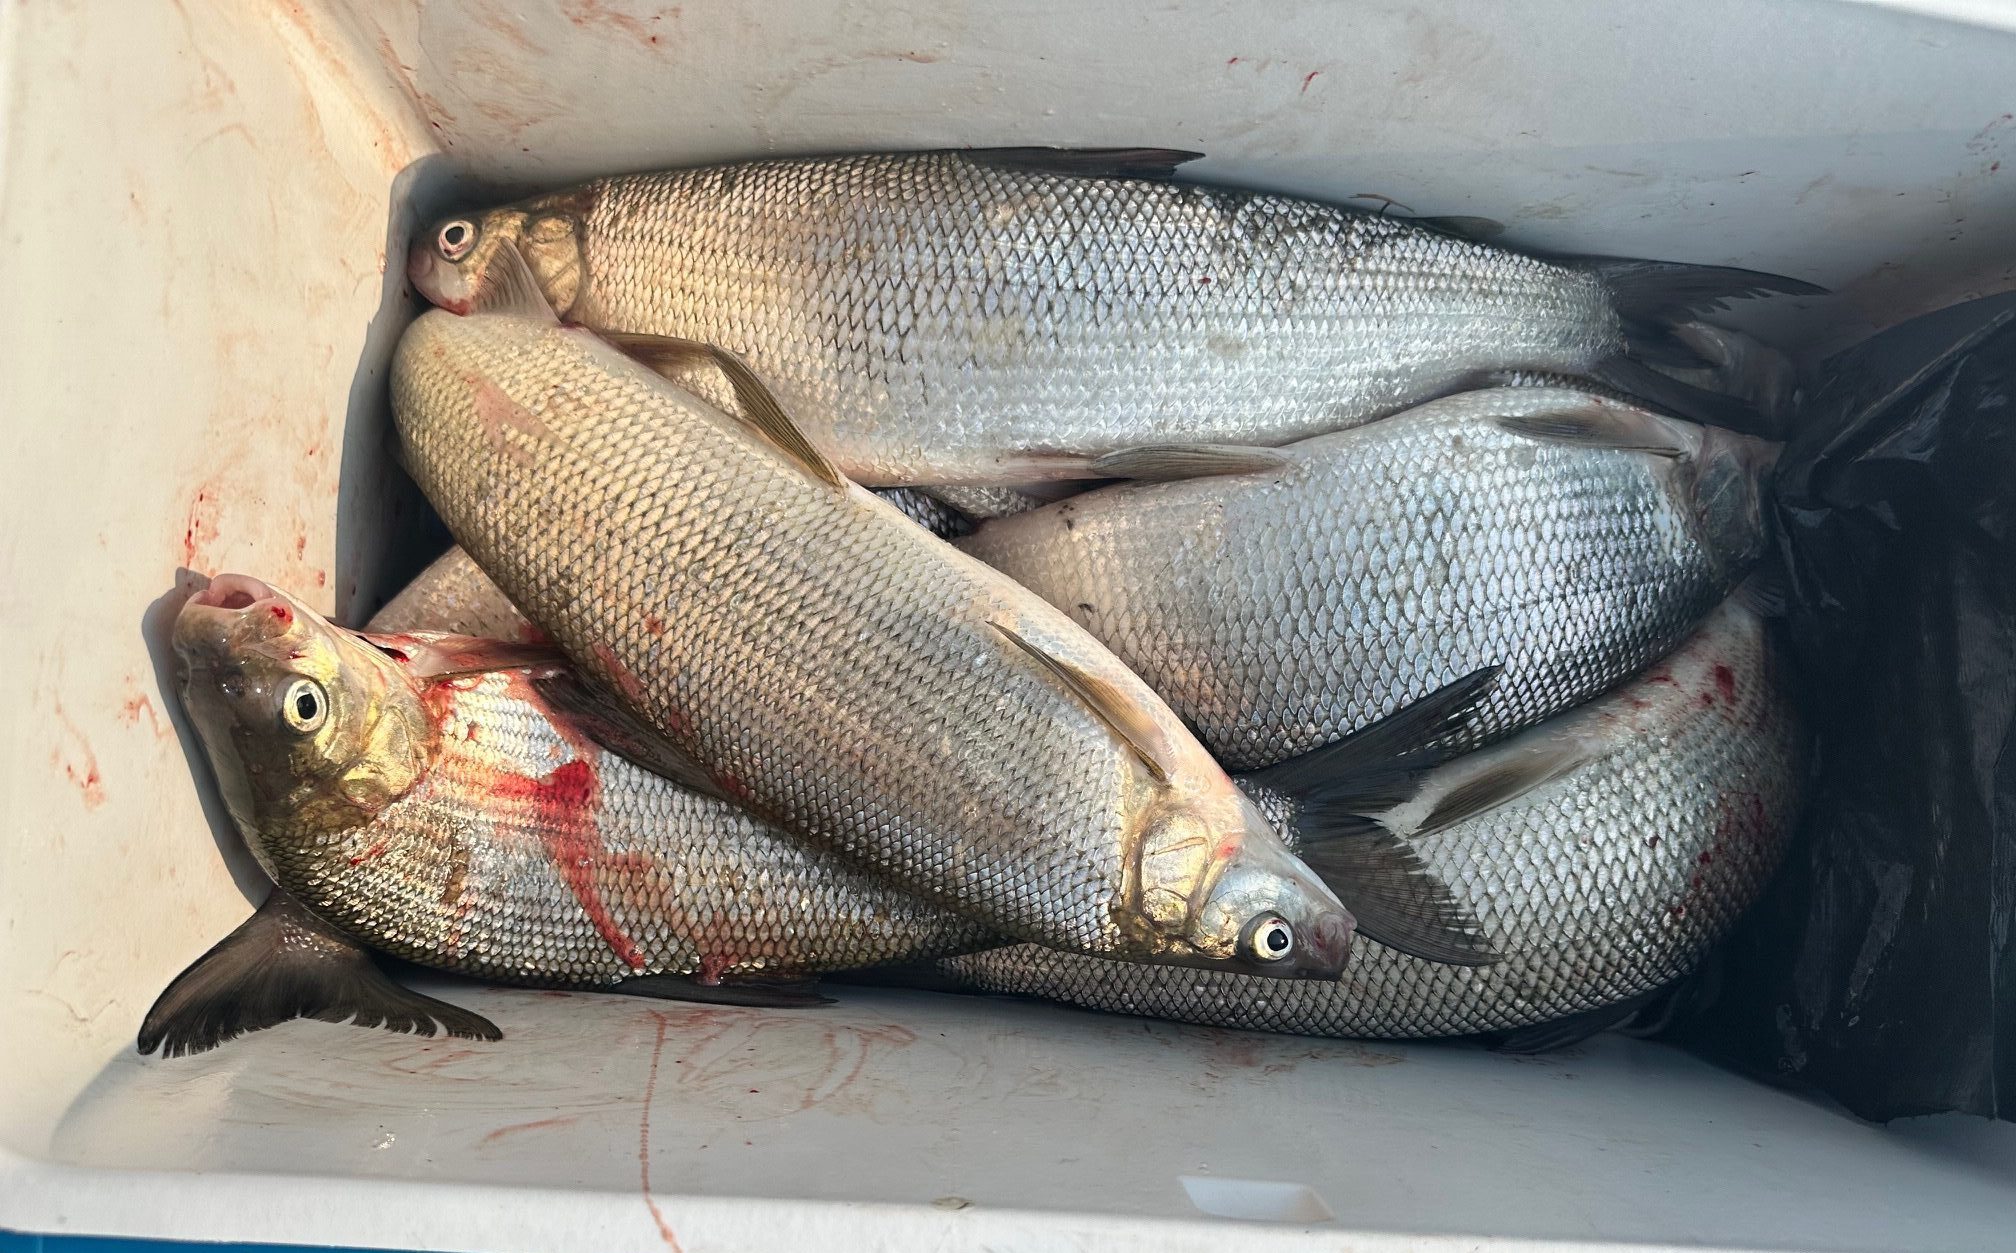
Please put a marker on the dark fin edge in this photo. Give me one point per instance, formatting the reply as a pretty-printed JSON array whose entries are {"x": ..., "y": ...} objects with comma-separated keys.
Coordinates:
[
  {"x": 670, "y": 357},
  {"x": 1141, "y": 735},
  {"x": 1166, "y": 463},
  {"x": 1572, "y": 1029},
  {"x": 1601, "y": 424},
  {"x": 1394, "y": 898},
  {"x": 780, "y": 994},
  {"x": 284, "y": 963},
  {"x": 1684, "y": 400},
  {"x": 600, "y": 718},
  {"x": 1154, "y": 164},
  {"x": 1377, "y": 876},
  {"x": 1498, "y": 784}
]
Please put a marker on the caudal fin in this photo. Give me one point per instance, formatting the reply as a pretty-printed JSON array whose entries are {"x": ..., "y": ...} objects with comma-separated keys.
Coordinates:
[
  {"x": 1655, "y": 300},
  {"x": 283, "y": 963},
  {"x": 1333, "y": 794}
]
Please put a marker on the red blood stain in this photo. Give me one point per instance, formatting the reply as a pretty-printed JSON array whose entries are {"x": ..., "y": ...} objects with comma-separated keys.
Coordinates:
[
  {"x": 300, "y": 546},
  {"x": 1233, "y": 60},
  {"x": 282, "y": 614},
  {"x": 620, "y": 675},
  {"x": 1725, "y": 681},
  {"x": 322, "y": 579},
  {"x": 711, "y": 966},
  {"x": 81, "y": 768},
  {"x": 1307, "y": 79},
  {"x": 533, "y": 635},
  {"x": 661, "y": 1024},
  {"x": 137, "y": 704},
  {"x": 734, "y": 786},
  {"x": 498, "y": 413},
  {"x": 654, "y": 624},
  {"x": 565, "y": 802},
  {"x": 1994, "y": 166},
  {"x": 372, "y": 853},
  {"x": 1707, "y": 701},
  {"x": 586, "y": 13},
  {"x": 201, "y": 529},
  {"x": 541, "y": 1125}
]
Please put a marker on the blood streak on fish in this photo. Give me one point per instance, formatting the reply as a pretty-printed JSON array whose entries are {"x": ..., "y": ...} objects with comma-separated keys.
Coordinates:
[
  {"x": 1725, "y": 681},
  {"x": 711, "y": 967},
  {"x": 282, "y": 614},
  {"x": 566, "y": 800},
  {"x": 375, "y": 851}
]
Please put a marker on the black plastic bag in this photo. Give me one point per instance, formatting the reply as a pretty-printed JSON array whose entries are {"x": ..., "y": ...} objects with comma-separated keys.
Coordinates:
[{"x": 1880, "y": 968}]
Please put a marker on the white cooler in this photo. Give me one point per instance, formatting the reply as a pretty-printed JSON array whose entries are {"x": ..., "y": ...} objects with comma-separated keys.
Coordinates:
[{"x": 204, "y": 210}]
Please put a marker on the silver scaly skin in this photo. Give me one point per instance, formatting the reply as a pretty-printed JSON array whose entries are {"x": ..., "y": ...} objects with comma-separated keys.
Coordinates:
[
  {"x": 850, "y": 677},
  {"x": 1604, "y": 883},
  {"x": 946, "y": 317},
  {"x": 462, "y": 822},
  {"x": 1282, "y": 609}
]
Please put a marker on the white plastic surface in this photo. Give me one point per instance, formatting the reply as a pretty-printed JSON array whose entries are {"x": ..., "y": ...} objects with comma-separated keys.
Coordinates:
[{"x": 198, "y": 199}]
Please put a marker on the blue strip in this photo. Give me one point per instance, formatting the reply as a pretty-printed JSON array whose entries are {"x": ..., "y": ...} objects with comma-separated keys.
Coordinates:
[{"x": 23, "y": 1242}]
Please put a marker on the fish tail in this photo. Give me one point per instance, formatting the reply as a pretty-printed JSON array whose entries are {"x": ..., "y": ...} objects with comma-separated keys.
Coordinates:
[
  {"x": 282, "y": 963},
  {"x": 1654, "y": 301},
  {"x": 1334, "y": 794}
]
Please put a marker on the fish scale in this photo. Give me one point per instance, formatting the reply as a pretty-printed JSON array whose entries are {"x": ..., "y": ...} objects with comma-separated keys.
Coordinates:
[
  {"x": 848, "y": 672},
  {"x": 937, "y": 318},
  {"x": 526, "y": 854},
  {"x": 1282, "y": 609},
  {"x": 1599, "y": 886}
]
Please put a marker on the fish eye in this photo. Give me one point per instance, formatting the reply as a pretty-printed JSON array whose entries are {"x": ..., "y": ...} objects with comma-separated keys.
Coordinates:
[
  {"x": 1269, "y": 938},
  {"x": 304, "y": 705},
  {"x": 456, "y": 239}
]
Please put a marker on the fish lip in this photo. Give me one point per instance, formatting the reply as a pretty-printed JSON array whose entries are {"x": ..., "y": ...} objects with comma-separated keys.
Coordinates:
[
  {"x": 233, "y": 592},
  {"x": 432, "y": 279},
  {"x": 205, "y": 626}
]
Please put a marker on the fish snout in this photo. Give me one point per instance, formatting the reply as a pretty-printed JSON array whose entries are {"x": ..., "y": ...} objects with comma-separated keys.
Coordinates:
[{"x": 437, "y": 280}]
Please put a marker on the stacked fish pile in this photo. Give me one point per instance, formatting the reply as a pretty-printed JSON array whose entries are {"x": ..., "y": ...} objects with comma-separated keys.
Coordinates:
[{"x": 784, "y": 636}]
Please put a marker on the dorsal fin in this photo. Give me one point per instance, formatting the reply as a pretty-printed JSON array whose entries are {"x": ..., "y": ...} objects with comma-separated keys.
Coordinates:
[
  {"x": 1140, "y": 732},
  {"x": 1156, "y": 164},
  {"x": 509, "y": 288},
  {"x": 671, "y": 356}
]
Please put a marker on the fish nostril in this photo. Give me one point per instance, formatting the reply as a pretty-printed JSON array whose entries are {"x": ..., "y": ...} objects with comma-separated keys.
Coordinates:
[{"x": 233, "y": 591}]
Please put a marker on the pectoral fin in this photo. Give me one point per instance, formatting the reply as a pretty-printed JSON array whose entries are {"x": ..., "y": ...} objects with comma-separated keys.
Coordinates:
[
  {"x": 430, "y": 655},
  {"x": 1131, "y": 723},
  {"x": 623, "y": 733},
  {"x": 672, "y": 357},
  {"x": 1163, "y": 463},
  {"x": 1599, "y": 424}
]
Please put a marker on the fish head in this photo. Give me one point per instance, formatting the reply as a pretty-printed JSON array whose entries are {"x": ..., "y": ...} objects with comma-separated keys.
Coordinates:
[
  {"x": 1225, "y": 893},
  {"x": 455, "y": 262},
  {"x": 307, "y": 727},
  {"x": 1731, "y": 475}
]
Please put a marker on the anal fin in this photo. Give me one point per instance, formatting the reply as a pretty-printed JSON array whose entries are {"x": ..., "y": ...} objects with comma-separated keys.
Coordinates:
[
  {"x": 283, "y": 963},
  {"x": 778, "y": 994}
]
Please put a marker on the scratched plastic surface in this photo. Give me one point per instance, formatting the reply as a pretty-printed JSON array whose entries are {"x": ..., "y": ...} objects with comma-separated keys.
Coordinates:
[{"x": 196, "y": 204}]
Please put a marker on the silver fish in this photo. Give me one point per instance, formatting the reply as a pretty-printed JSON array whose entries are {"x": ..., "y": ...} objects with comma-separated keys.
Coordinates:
[
  {"x": 453, "y": 595},
  {"x": 1011, "y": 315},
  {"x": 1602, "y": 853},
  {"x": 456, "y": 802},
  {"x": 847, "y": 676},
  {"x": 1570, "y": 538}
]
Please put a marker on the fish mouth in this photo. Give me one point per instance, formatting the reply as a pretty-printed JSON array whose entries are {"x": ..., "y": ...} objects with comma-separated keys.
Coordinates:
[
  {"x": 439, "y": 282},
  {"x": 207, "y": 626}
]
